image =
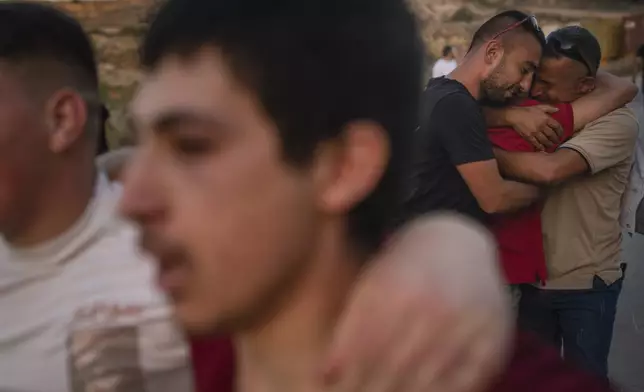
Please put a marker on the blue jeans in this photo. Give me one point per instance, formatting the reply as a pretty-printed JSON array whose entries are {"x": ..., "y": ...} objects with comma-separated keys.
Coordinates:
[{"x": 581, "y": 320}]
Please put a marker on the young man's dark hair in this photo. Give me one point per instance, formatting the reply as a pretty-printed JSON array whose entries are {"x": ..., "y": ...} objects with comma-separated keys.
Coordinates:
[
  {"x": 576, "y": 43},
  {"x": 504, "y": 25},
  {"x": 50, "y": 49},
  {"x": 315, "y": 66},
  {"x": 447, "y": 50}
]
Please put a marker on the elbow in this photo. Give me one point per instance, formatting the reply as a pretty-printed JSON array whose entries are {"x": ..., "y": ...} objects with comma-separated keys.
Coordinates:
[
  {"x": 553, "y": 173},
  {"x": 547, "y": 175}
]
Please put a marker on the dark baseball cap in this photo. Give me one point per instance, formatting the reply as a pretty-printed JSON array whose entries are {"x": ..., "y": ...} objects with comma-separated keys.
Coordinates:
[{"x": 576, "y": 43}]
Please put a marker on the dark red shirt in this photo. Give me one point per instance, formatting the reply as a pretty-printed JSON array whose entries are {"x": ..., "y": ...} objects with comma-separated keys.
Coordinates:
[
  {"x": 519, "y": 234},
  {"x": 534, "y": 367}
]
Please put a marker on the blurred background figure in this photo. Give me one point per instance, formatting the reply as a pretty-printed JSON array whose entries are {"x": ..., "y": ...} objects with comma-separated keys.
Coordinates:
[
  {"x": 638, "y": 75},
  {"x": 446, "y": 64}
]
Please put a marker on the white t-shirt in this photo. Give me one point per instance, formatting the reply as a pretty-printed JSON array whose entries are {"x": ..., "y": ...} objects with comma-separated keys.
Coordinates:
[
  {"x": 81, "y": 312},
  {"x": 443, "y": 67}
]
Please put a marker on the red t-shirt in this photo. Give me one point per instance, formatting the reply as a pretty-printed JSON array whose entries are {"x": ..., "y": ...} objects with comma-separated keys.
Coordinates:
[
  {"x": 519, "y": 234},
  {"x": 534, "y": 367}
]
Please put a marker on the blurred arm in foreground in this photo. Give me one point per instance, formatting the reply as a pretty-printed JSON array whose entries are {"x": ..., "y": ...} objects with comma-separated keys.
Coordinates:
[{"x": 421, "y": 318}]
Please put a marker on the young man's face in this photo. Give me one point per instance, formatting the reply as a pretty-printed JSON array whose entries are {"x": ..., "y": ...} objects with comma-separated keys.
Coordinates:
[
  {"x": 561, "y": 80},
  {"x": 226, "y": 218},
  {"x": 23, "y": 150}
]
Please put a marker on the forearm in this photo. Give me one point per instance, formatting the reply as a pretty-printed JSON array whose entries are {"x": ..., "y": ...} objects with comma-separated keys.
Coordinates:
[
  {"x": 528, "y": 167},
  {"x": 532, "y": 167}
]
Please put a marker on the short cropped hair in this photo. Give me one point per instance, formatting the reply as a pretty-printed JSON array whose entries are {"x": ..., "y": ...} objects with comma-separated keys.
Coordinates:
[
  {"x": 33, "y": 34},
  {"x": 587, "y": 48},
  {"x": 447, "y": 50},
  {"x": 315, "y": 66},
  {"x": 501, "y": 22},
  {"x": 32, "y": 31}
]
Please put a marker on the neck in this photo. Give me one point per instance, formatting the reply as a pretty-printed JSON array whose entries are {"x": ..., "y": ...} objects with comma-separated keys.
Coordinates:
[
  {"x": 285, "y": 354},
  {"x": 58, "y": 207},
  {"x": 468, "y": 74}
]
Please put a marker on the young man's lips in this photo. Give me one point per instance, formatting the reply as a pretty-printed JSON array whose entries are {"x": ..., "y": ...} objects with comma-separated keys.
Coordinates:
[{"x": 171, "y": 275}]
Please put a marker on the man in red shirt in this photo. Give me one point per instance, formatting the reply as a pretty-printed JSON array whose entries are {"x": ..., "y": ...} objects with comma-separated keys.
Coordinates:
[
  {"x": 272, "y": 138},
  {"x": 519, "y": 234}
]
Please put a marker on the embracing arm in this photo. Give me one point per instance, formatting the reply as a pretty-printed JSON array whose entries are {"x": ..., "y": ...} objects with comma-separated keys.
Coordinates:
[
  {"x": 494, "y": 193},
  {"x": 601, "y": 145},
  {"x": 611, "y": 92},
  {"x": 463, "y": 134},
  {"x": 541, "y": 168},
  {"x": 535, "y": 124}
]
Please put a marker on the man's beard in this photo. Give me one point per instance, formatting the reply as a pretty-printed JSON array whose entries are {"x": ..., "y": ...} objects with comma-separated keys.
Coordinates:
[{"x": 494, "y": 92}]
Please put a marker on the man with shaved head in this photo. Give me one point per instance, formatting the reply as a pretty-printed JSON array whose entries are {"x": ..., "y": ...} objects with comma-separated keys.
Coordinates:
[
  {"x": 453, "y": 162},
  {"x": 454, "y": 165}
]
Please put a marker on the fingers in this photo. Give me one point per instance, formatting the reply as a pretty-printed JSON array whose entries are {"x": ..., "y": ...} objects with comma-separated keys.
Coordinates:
[
  {"x": 362, "y": 335},
  {"x": 465, "y": 358},
  {"x": 543, "y": 140},
  {"x": 392, "y": 372},
  {"x": 557, "y": 128},
  {"x": 547, "y": 108},
  {"x": 536, "y": 143},
  {"x": 547, "y": 135}
]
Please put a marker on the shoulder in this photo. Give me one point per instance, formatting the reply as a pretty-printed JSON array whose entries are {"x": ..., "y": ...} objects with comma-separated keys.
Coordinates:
[
  {"x": 110, "y": 258},
  {"x": 459, "y": 109},
  {"x": 458, "y": 98},
  {"x": 621, "y": 121},
  {"x": 449, "y": 97}
]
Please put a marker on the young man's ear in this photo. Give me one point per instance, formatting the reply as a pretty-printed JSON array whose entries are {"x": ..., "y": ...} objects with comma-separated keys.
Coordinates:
[
  {"x": 347, "y": 170},
  {"x": 66, "y": 115},
  {"x": 492, "y": 55}
]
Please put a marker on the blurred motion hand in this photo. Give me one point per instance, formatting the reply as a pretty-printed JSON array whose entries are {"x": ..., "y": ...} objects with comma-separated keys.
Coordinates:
[
  {"x": 430, "y": 314},
  {"x": 536, "y": 126}
]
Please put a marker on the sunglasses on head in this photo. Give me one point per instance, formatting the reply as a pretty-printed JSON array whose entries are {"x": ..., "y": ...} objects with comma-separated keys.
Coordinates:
[
  {"x": 534, "y": 25},
  {"x": 572, "y": 51}
]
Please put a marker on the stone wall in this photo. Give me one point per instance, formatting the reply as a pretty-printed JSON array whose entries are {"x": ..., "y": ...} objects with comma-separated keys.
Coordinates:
[{"x": 116, "y": 26}]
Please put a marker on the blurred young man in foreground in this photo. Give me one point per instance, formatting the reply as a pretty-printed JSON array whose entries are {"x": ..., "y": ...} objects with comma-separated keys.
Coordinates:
[
  {"x": 273, "y": 135},
  {"x": 79, "y": 310}
]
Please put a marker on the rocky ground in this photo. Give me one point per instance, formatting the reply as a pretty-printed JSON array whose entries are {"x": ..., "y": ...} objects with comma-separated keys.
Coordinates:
[{"x": 116, "y": 27}]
